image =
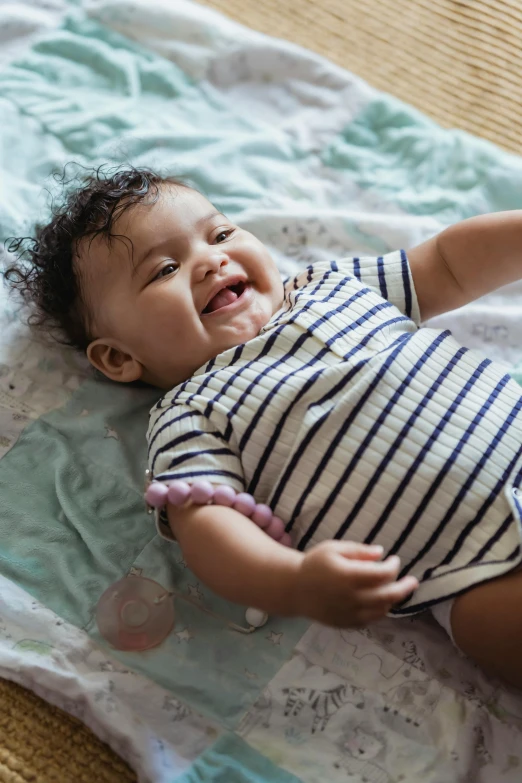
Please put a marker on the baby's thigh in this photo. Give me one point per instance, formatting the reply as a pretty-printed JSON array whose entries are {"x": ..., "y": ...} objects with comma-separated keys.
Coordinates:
[{"x": 486, "y": 624}]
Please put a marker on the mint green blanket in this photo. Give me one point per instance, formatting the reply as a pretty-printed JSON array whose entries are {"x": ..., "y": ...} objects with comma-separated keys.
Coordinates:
[{"x": 318, "y": 165}]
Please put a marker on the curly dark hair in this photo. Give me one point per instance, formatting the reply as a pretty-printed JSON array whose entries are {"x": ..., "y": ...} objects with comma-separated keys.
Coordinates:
[{"x": 44, "y": 272}]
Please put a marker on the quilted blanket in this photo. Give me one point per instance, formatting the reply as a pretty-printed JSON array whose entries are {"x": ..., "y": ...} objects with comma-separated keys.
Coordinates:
[{"x": 318, "y": 165}]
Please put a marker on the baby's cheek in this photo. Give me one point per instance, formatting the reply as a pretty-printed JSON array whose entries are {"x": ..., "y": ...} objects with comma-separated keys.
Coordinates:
[{"x": 169, "y": 321}]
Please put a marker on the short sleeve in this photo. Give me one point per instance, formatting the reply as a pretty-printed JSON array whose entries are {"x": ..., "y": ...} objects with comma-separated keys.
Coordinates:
[
  {"x": 184, "y": 444},
  {"x": 388, "y": 275}
]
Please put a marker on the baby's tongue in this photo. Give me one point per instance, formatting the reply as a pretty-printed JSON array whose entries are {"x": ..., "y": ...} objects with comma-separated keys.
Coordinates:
[{"x": 221, "y": 299}]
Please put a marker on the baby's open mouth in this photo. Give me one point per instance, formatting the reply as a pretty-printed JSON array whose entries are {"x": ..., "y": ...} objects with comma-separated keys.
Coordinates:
[{"x": 225, "y": 297}]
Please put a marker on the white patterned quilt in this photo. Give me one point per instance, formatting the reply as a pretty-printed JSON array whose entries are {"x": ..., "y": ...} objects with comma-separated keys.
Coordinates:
[{"x": 318, "y": 165}]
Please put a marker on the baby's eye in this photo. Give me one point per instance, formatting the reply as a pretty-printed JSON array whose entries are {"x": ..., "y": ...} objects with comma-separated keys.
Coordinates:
[
  {"x": 166, "y": 270},
  {"x": 223, "y": 235}
]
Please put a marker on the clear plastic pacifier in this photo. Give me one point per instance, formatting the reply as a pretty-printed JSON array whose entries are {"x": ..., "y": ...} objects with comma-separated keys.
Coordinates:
[{"x": 135, "y": 614}]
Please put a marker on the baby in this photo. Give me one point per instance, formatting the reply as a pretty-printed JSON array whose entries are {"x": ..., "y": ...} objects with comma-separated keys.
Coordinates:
[{"x": 321, "y": 396}]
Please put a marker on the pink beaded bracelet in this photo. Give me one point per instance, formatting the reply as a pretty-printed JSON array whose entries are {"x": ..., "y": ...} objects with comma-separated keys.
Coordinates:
[{"x": 178, "y": 492}]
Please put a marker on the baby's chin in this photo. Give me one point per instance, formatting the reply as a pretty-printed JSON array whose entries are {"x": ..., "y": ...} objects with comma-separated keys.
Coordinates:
[{"x": 167, "y": 377}]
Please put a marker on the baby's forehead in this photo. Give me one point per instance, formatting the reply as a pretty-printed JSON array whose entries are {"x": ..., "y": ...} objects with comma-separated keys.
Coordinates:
[
  {"x": 171, "y": 212},
  {"x": 174, "y": 209}
]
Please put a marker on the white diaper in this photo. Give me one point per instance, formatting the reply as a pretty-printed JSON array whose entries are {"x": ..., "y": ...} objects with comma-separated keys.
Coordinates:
[{"x": 442, "y": 614}]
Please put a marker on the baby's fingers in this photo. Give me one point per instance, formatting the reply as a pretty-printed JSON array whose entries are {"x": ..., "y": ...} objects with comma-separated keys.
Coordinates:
[
  {"x": 375, "y": 604},
  {"x": 386, "y": 595},
  {"x": 368, "y": 574},
  {"x": 352, "y": 550}
]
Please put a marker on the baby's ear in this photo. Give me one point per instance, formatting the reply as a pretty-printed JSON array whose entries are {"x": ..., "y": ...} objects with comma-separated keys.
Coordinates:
[{"x": 113, "y": 361}]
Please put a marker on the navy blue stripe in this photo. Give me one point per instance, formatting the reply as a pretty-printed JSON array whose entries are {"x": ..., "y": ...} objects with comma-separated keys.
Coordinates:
[
  {"x": 406, "y": 283},
  {"x": 438, "y": 430},
  {"x": 469, "y": 481},
  {"x": 422, "y": 606},
  {"x": 183, "y": 438},
  {"x": 167, "y": 400},
  {"x": 357, "y": 268},
  {"x": 211, "y": 403},
  {"x": 297, "y": 345},
  {"x": 206, "y": 378},
  {"x": 240, "y": 348},
  {"x": 325, "y": 460},
  {"x": 304, "y": 292},
  {"x": 158, "y": 430},
  {"x": 274, "y": 438},
  {"x": 188, "y": 455},
  {"x": 440, "y": 478},
  {"x": 304, "y": 337},
  {"x": 266, "y": 347},
  {"x": 333, "y": 266},
  {"x": 474, "y": 566},
  {"x": 499, "y": 487},
  {"x": 185, "y": 415},
  {"x": 275, "y": 323},
  {"x": 312, "y": 432},
  {"x": 170, "y": 422},
  {"x": 362, "y": 344},
  {"x": 303, "y": 289},
  {"x": 170, "y": 406},
  {"x": 382, "y": 278},
  {"x": 373, "y": 481},
  {"x": 170, "y": 401},
  {"x": 166, "y": 476},
  {"x": 488, "y": 546}
]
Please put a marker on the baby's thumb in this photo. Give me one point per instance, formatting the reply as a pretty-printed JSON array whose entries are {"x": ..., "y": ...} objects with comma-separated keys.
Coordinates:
[{"x": 354, "y": 551}]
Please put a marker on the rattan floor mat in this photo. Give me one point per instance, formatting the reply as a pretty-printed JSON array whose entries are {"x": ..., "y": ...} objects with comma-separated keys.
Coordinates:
[
  {"x": 459, "y": 62},
  {"x": 42, "y": 744}
]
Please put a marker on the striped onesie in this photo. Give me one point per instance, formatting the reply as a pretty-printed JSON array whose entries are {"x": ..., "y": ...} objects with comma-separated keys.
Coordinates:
[{"x": 352, "y": 422}]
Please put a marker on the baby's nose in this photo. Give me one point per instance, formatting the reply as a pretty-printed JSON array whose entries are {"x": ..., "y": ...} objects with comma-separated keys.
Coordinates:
[{"x": 210, "y": 262}]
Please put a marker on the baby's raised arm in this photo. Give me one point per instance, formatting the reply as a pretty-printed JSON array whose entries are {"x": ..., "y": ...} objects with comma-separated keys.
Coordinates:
[
  {"x": 338, "y": 583},
  {"x": 466, "y": 261}
]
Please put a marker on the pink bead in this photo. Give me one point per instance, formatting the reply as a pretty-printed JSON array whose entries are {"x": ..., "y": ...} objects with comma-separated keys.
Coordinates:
[
  {"x": 244, "y": 503},
  {"x": 156, "y": 494},
  {"x": 178, "y": 492},
  {"x": 201, "y": 492},
  {"x": 285, "y": 540},
  {"x": 224, "y": 495},
  {"x": 276, "y": 528},
  {"x": 262, "y": 515}
]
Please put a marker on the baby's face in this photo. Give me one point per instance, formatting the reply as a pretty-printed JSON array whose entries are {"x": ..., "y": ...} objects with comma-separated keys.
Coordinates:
[{"x": 191, "y": 285}]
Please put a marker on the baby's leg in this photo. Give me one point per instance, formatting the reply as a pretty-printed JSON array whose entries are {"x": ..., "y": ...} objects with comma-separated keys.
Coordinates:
[{"x": 486, "y": 623}]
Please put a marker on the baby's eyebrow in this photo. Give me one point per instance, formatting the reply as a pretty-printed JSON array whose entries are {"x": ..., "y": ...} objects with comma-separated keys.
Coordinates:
[
  {"x": 201, "y": 221},
  {"x": 206, "y": 218}
]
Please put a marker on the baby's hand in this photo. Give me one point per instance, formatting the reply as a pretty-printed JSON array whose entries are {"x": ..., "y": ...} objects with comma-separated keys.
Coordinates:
[{"x": 346, "y": 585}]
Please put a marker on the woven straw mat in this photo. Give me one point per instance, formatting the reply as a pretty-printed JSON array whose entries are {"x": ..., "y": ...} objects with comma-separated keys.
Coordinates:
[{"x": 459, "y": 63}]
